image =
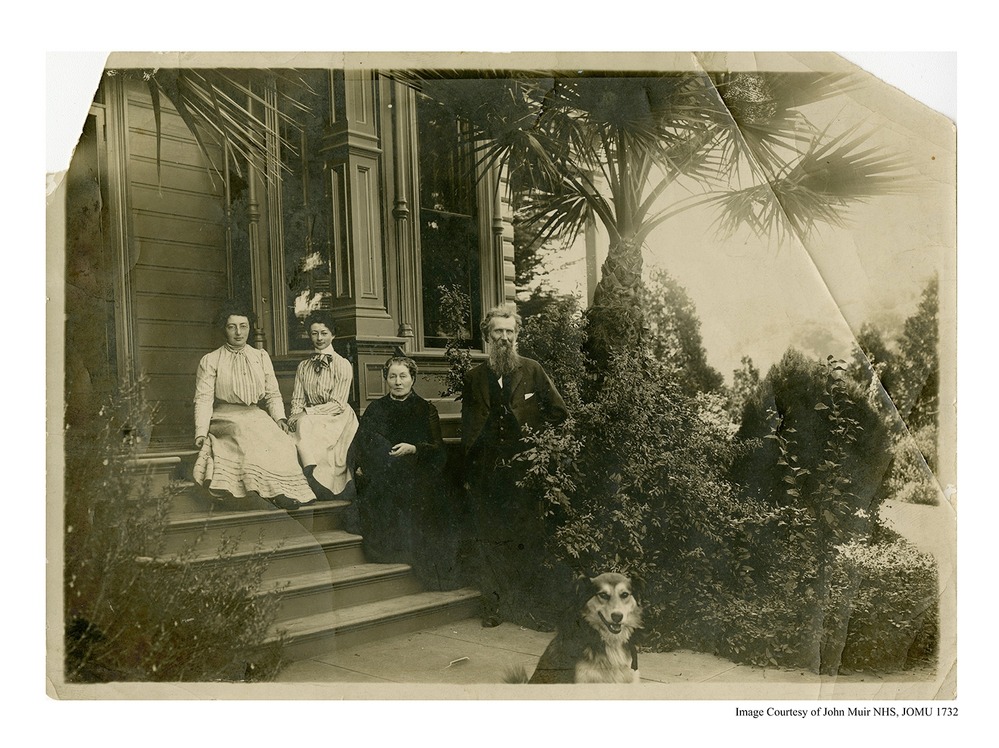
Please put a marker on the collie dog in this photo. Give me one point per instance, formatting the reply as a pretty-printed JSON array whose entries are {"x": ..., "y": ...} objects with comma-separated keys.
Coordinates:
[{"x": 595, "y": 641}]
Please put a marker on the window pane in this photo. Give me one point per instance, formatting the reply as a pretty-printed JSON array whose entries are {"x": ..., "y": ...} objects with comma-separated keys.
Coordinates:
[
  {"x": 449, "y": 235},
  {"x": 306, "y": 205}
]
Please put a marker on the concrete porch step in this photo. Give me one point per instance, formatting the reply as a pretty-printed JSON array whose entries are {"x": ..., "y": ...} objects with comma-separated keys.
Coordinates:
[
  {"x": 324, "y": 591},
  {"x": 256, "y": 521},
  {"x": 311, "y": 636},
  {"x": 330, "y": 595},
  {"x": 304, "y": 553}
]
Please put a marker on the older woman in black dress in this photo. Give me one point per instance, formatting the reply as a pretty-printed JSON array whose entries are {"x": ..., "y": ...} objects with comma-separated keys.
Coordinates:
[{"x": 400, "y": 459}]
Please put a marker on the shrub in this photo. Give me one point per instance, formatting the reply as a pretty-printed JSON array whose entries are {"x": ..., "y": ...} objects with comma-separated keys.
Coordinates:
[
  {"x": 822, "y": 441},
  {"x": 554, "y": 335},
  {"x": 129, "y": 614},
  {"x": 819, "y": 458},
  {"x": 912, "y": 478},
  {"x": 634, "y": 481},
  {"x": 889, "y": 594},
  {"x": 639, "y": 480},
  {"x": 456, "y": 316}
]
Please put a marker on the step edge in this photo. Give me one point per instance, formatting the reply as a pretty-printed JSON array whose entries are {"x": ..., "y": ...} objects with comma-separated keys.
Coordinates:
[
  {"x": 326, "y": 623},
  {"x": 305, "y": 583},
  {"x": 198, "y": 520},
  {"x": 320, "y": 542}
]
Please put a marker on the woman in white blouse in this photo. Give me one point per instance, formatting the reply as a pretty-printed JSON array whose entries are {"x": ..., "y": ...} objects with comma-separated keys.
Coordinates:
[
  {"x": 240, "y": 425},
  {"x": 322, "y": 420}
]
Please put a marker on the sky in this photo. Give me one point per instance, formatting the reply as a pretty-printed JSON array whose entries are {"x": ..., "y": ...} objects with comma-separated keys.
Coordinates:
[{"x": 758, "y": 297}]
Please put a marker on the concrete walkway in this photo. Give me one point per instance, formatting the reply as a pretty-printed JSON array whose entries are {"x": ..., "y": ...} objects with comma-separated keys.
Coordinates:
[{"x": 464, "y": 660}]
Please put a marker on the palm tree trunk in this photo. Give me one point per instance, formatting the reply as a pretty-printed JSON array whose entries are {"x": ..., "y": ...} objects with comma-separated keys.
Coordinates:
[{"x": 614, "y": 320}]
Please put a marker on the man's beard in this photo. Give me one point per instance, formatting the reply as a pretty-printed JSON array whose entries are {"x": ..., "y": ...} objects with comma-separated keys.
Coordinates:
[{"x": 503, "y": 358}]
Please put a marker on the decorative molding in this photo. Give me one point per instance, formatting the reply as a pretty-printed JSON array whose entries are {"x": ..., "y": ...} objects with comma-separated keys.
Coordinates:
[
  {"x": 339, "y": 230},
  {"x": 366, "y": 206},
  {"x": 124, "y": 254},
  {"x": 275, "y": 223}
]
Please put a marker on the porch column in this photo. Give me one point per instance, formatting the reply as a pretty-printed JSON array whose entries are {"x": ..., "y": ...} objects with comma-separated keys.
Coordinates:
[{"x": 353, "y": 150}]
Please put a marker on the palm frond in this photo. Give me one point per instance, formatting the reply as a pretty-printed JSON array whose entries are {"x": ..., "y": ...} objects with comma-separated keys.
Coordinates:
[
  {"x": 761, "y": 113},
  {"x": 611, "y": 145},
  {"x": 552, "y": 216},
  {"x": 220, "y": 108},
  {"x": 819, "y": 187}
]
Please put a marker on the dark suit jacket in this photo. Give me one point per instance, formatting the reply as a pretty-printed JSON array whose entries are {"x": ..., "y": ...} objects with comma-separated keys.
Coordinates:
[{"x": 534, "y": 400}]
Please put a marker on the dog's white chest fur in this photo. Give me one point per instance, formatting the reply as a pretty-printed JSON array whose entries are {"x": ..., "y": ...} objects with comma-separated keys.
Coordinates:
[{"x": 612, "y": 665}]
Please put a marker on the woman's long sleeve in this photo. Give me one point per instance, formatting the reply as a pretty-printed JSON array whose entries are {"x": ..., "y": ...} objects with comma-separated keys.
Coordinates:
[
  {"x": 204, "y": 396},
  {"x": 272, "y": 393},
  {"x": 298, "y": 392},
  {"x": 342, "y": 379},
  {"x": 430, "y": 453},
  {"x": 372, "y": 446}
]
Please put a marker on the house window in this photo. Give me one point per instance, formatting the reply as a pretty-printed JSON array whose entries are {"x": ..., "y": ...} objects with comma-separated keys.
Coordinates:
[
  {"x": 448, "y": 221},
  {"x": 306, "y": 204}
]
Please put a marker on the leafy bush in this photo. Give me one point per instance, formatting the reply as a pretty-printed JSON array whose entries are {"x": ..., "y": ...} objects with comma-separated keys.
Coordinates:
[
  {"x": 634, "y": 480},
  {"x": 130, "y": 615},
  {"x": 554, "y": 335},
  {"x": 735, "y": 529},
  {"x": 912, "y": 478},
  {"x": 820, "y": 445},
  {"x": 456, "y": 315},
  {"x": 888, "y": 592}
]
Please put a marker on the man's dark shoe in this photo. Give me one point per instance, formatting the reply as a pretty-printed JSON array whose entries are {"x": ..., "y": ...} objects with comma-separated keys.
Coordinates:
[{"x": 491, "y": 621}]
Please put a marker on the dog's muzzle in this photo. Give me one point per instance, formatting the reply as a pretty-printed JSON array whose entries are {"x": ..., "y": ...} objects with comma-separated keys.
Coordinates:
[{"x": 613, "y": 626}]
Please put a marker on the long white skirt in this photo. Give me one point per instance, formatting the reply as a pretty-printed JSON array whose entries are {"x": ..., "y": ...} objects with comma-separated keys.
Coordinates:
[
  {"x": 324, "y": 441},
  {"x": 247, "y": 451}
]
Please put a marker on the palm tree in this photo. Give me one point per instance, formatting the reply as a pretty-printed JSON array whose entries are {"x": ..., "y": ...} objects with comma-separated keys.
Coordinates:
[
  {"x": 577, "y": 145},
  {"x": 611, "y": 145},
  {"x": 224, "y": 108}
]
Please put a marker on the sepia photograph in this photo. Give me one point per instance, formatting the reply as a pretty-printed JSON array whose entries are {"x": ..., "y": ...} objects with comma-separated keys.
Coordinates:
[{"x": 477, "y": 376}]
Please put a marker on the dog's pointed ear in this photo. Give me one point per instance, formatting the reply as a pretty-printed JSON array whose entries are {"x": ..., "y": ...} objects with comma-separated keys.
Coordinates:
[
  {"x": 637, "y": 587},
  {"x": 582, "y": 588}
]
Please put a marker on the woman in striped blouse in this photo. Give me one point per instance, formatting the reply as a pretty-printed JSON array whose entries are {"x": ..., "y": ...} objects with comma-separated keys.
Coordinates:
[
  {"x": 322, "y": 420},
  {"x": 244, "y": 448}
]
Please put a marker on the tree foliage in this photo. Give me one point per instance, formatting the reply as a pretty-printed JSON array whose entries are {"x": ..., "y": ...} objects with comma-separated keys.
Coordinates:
[
  {"x": 553, "y": 333},
  {"x": 811, "y": 407},
  {"x": 918, "y": 396},
  {"x": 611, "y": 147},
  {"x": 674, "y": 334},
  {"x": 745, "y": 381},
  {"x": 903, "y": 381}
]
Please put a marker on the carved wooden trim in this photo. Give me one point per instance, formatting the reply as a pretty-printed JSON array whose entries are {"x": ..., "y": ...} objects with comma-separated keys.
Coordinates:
[
  {"x": 275, "y": 225},
  {"x": 120, "y": 213},
  {"x": 343, "y": 270},
  {"x": 365, "y": 206}
]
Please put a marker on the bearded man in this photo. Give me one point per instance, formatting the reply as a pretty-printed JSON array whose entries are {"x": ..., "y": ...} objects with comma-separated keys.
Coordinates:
[{"x": 499, "y": 399}]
